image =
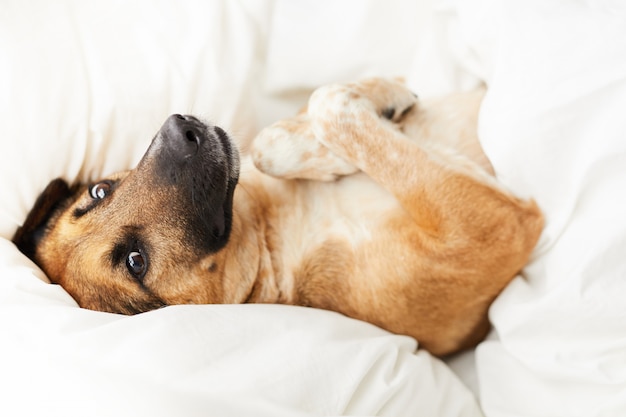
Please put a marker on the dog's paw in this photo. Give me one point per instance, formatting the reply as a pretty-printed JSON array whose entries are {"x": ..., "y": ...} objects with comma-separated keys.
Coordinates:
[
  {"x": 389, "y": 98},
  {"x": 288, "y": 149},
  {"x": 344, "y": 114}
]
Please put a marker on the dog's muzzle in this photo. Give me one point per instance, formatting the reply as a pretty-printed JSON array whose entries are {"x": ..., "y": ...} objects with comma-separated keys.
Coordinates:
[{"x": 198, "y": 165}]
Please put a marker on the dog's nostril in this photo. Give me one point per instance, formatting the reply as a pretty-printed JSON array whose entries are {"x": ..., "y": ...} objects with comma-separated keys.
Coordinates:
[{"x": 191, "y": 137}]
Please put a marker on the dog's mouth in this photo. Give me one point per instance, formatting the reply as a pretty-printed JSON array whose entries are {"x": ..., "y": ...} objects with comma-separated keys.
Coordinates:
[{"x": 199, "y": 165}]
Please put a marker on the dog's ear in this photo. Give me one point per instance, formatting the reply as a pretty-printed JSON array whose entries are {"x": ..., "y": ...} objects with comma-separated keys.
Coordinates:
[{"x": 49, "y": 202}]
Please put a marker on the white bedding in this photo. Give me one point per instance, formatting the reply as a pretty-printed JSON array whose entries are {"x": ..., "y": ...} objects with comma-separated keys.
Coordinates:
[
  {"x": 85, "y": 85},
  {"x": 554, "y": 127}
]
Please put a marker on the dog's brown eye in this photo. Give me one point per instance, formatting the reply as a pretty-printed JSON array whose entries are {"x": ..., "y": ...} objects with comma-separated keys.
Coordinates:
[
  {"x": 136, "y": 264},
  {"x": 100, "y": 190}
]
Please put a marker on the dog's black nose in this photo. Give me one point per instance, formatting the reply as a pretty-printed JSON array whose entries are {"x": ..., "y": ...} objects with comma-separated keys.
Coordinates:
[{"x": 182, "y": 135}]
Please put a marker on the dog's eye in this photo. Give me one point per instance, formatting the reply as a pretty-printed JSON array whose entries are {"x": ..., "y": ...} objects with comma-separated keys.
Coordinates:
[
  {"x": 136, "y": 264},
  {"x": 100, "y": 190}
]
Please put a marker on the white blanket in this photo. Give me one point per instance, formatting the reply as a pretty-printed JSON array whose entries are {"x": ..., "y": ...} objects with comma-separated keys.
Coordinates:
[
  {"x": 553, "y": 125},
  {"x": 85, "y": 85}
]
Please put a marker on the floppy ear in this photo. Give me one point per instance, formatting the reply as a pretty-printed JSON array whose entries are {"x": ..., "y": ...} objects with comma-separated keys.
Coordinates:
[{"x": 53, "y": 198}]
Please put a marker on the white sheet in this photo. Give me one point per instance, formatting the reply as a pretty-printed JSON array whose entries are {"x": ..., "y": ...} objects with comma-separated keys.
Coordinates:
[
  {"x": 84, "y": 86},
  {"x": 59, "y": 360},
  {"x": 553, "y": 125}
]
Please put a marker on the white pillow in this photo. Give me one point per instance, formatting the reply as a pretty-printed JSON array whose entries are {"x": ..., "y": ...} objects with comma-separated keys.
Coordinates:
[{"x": 553, "y": 126}]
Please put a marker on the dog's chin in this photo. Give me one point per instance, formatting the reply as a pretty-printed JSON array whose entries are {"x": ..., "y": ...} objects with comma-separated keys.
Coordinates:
[
  {"x": 212, "y": 221},
  {"x": 214, "y": 174}
]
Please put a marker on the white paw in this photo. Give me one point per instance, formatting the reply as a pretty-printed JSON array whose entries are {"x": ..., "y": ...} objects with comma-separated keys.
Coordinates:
[{"x": 288, "y": 149}]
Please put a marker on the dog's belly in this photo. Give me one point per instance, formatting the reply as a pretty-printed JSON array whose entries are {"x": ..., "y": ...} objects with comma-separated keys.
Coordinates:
[
  {"x": 346, "y": 245},
  {"x": 355, "y": 250},
  {"x": 345, "y": 236},
  {"x": 339, "y": 222}
]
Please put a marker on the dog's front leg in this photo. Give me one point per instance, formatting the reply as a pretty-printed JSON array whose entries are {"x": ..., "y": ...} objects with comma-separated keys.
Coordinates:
[
  {"x": 458, "y": 207},
  {"x": 356, "y": 122},
  {"x": 289, "y": 148}
]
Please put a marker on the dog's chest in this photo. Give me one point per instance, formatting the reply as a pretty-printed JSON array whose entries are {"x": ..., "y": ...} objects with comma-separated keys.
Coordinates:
[{"x": 351, "y": 208}]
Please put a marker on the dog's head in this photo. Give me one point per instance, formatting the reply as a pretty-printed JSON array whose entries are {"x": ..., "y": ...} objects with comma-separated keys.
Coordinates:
[{"x": 125, "y": 243}]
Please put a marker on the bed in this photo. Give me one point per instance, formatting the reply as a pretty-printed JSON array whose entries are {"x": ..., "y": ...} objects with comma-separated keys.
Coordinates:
[{"x": 85, "y": 85}]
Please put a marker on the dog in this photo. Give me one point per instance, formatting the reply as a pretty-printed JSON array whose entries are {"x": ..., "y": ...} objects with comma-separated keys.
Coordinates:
[{"x": 369, "y": 202}]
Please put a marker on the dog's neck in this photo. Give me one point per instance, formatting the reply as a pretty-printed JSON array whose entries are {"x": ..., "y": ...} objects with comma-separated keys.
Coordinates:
[{"x": 251, "y": 256}]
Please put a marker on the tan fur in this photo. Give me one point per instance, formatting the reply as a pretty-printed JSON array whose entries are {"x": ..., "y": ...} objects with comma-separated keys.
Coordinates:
[{"x": 396, "y": 222}]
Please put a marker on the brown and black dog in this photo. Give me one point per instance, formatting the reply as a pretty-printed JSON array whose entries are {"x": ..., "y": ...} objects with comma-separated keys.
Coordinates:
[{"x": 384, "y": 210}]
